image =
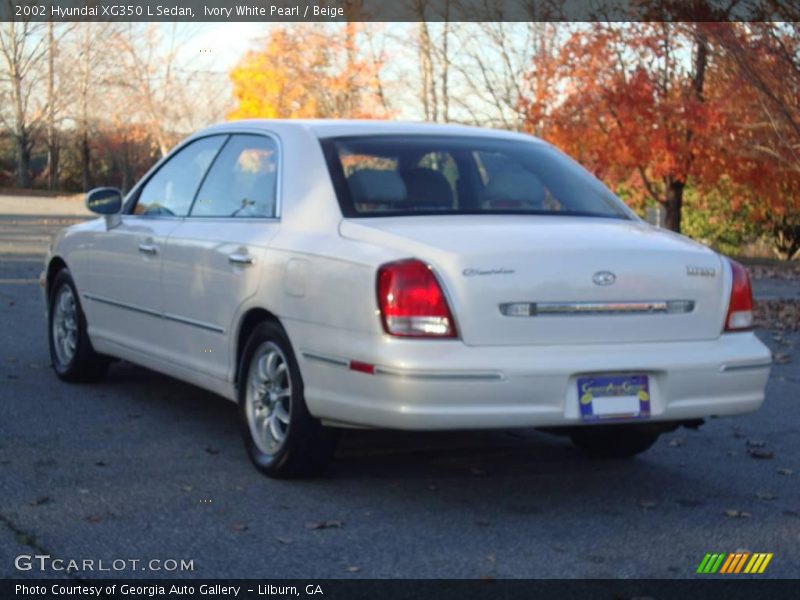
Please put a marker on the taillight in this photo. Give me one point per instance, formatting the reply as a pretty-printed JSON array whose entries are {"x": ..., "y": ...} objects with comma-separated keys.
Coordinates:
[
  {"x": 740, "y": 305},
  {"x": 411, "y": 302}
]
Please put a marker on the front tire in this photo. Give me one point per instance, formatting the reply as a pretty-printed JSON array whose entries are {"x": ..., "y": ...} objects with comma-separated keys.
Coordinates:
[
  {"x": 282, "y": 439},
  {"x": 71, "y": 352},
  {"x": 614, "y": 441}
]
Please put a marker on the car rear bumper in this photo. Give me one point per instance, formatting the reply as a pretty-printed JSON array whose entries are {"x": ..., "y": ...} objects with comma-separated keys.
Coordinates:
[{"x": 418, "y": 385}]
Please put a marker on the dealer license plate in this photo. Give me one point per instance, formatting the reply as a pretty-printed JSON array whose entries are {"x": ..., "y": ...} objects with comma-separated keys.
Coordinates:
[{"x": 614, "y": 397}]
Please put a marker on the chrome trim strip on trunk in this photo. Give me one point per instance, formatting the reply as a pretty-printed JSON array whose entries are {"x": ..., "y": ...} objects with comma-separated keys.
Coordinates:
[
  {"x": 533, "y": 309},
  {"x": 153, "y": 313},
  {"x": 745, "y": 366}
]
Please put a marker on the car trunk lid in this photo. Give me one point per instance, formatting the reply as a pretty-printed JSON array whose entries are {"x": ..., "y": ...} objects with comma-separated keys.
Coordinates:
[{"x": 527, "y": 280}]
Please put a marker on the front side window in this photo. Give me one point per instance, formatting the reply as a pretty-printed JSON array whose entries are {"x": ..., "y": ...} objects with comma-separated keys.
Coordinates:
[
  {"x": 243, "y": 180},
  {"x": 398, "y": 175},
  {"x": 171, "y": 190}
]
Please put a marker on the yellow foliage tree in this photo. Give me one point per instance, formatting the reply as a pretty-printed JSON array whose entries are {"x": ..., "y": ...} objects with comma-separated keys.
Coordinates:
[{"x": 309, "y": 72}]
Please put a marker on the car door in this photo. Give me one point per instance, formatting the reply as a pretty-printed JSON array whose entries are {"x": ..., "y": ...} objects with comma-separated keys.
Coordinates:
[
  {"x": 124, "y": 287},
  {"x": 212, "y": 258}
]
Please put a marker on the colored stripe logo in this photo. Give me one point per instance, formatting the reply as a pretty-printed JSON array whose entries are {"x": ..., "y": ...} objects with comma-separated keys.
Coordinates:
[{"x": 734, "y": 563}]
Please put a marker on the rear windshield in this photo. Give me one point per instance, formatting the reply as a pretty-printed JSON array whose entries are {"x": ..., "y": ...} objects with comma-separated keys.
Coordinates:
[{"x": 390, "y": 175}]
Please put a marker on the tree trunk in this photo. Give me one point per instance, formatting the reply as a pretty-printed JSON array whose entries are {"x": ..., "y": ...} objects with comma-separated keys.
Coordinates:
[
  {"x": 52, "y": 164},
  {"x": 23, "y": 160},
  {"x": 86, "y": 158},
  {"x": 786, "y": 238},
  {"x": 673, "y": 203},
  {"x": 52, "y": 139},
  {"x": 445, "y": 64}
]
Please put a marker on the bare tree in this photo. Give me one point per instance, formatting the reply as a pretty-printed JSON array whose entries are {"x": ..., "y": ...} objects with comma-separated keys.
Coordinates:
[
  {"x": 158, "y": 90},
  {"x": 87, "y": 70},
  {"x": 52, "y": 137},
  {"x": 22, "y": 48},
  {"x": 434, "y": 56},
  {"x": 498, "y": 62}
]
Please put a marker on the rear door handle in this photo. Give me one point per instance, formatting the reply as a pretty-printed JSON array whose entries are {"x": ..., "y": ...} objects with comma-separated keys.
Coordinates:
[
  {"x": 148, "y": 248},
  {"x": 241, "y": 259}
]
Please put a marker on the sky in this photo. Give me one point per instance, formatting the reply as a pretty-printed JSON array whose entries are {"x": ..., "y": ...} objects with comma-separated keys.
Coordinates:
[{"x": 225, "y": 43}]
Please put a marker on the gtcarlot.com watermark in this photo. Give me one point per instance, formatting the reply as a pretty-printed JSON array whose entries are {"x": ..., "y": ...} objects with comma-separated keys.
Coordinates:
[{"x": 46, "y": 563}]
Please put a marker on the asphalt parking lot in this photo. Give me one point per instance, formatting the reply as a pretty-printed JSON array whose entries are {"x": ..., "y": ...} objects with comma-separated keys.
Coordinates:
[{"x": 144, "y": 467}]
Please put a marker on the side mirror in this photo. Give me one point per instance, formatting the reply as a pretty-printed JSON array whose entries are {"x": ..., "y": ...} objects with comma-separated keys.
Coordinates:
[{"x": 104, "y": 201}]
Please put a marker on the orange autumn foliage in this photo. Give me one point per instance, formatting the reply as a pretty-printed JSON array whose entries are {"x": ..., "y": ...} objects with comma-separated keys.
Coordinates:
[
  {"x": 653, "y": 107},
  {"x": 625, "y": 102},
  {"x": 308, "y": 72}
]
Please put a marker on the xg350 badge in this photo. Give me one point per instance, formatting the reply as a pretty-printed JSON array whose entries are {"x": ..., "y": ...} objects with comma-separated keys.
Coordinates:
[
  {"x": 475, "y": 272},
  {"x": 604, "y": 278},
  {"x": 696, "y": 271}
]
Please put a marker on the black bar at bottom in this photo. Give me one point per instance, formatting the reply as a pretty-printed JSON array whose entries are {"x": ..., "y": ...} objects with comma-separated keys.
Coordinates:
[{"x": 718, "y": 588}]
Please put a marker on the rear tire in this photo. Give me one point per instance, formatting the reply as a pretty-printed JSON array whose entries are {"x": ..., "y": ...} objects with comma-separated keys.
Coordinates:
[
  {"x": 282, "y": 439},
  {"x": 613, "y": 441},
  {"x": 71, "y": 352}
]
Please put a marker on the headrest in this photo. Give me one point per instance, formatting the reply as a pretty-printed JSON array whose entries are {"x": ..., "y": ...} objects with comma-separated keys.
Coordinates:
[
  {"x": 427, "y": 187},
  {"x": 376, "y": 186},
  {"x": 513, "y": 183}
]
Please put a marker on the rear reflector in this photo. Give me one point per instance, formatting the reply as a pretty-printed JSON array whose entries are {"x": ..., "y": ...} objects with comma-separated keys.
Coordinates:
[
  {"x": 362, "y": 367},
  {"x": 411, "y": 302},
  {"x": 740, "y": 305}
]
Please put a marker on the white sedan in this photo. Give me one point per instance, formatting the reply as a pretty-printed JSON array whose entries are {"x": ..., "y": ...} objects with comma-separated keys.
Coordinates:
[{"x": 329, "y": 274}]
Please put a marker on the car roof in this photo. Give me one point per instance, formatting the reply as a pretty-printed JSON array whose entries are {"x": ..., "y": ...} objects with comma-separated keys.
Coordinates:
[{"x": 326, "y": 128}]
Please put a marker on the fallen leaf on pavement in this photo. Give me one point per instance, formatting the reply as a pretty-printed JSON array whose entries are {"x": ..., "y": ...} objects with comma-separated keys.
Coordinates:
[
  {"x": 325, "y": 525},
  {"x": 778, "y": 315},
  {"x": 760, "y": 453},
  {"x": 781, "y": 358},
  {"x": 689, "y": 503}
]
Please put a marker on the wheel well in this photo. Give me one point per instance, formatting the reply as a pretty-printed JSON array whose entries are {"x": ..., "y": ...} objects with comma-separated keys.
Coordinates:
[
  {"x": 56, "y": 264},
  {"x": 252, "y": 319}
]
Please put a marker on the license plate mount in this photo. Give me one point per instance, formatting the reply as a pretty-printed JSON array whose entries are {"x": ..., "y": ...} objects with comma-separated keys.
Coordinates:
[{"x": 614, "y": 397}]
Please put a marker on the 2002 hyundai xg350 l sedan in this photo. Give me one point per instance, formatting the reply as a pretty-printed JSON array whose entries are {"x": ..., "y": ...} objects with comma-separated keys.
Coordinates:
[{"x": 327, "y": 274}]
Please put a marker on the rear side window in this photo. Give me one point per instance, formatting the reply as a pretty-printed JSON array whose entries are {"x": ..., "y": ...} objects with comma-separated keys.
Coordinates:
[
  {"x": 171, "y": 190},
  {"x": 408, "y": 175},
  {"x": 243, "y": 180}
]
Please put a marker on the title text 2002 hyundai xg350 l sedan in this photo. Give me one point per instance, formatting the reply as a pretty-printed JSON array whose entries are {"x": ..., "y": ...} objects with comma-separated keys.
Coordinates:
[{"x": 379, "y": 274}]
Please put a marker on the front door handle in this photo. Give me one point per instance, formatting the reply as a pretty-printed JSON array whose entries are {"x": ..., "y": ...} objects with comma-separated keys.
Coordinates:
[
  {"x": 241, "y": 259},
  {"x": 148, "y": 249}
]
